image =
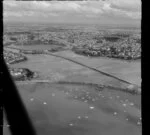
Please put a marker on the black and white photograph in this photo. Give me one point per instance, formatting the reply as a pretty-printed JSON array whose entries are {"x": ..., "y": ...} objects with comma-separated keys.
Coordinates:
[{"x": 76, "y": 66}]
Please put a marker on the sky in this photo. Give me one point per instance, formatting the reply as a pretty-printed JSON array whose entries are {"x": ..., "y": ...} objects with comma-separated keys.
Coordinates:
[{"x": 118, "y": 12}]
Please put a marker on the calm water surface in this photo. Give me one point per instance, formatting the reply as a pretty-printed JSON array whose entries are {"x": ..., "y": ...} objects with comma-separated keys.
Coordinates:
[{"x": 65, "y": 109}]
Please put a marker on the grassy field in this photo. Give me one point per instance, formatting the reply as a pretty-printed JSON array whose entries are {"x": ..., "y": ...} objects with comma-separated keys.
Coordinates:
[{"x": 53, "y": 68}]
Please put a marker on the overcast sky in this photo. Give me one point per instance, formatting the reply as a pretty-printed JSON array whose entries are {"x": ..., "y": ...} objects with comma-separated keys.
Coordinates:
[{"x": 99, "y": 12}]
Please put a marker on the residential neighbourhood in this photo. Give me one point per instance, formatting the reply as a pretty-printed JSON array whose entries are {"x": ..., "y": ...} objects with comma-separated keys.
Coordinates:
[{"x": 76, "y": 66}]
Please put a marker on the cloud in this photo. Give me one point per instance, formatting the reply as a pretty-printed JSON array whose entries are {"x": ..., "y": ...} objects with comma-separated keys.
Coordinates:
[
  {"x": 130, "y": 9},
  {"x": 12, "y": 14},
  {"x": 10, "y": 3},
  {"x": 40, "y": 4},
  {"x": 134, "y": 15},
  {"x": 127, "y": 5},
  {"x": 123, "y": 8}
]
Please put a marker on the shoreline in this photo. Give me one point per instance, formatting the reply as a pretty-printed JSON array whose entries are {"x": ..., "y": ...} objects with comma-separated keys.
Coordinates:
[
  {"x": 35, "y": 52},
  {"x": 95, "y": 85},
  {"x": 133, "y": 88},
  {"x": 46, "y": 52}
]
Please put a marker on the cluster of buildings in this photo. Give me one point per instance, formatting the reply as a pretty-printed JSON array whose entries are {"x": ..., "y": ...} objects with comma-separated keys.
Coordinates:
[
  {"x": 123, "y": 45},
  {"x": 12, "y": 57},
  {"x": 17, "y": 73},
  {"x": 21, "y": 74},
  {"x": 129, "y": 50}
]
